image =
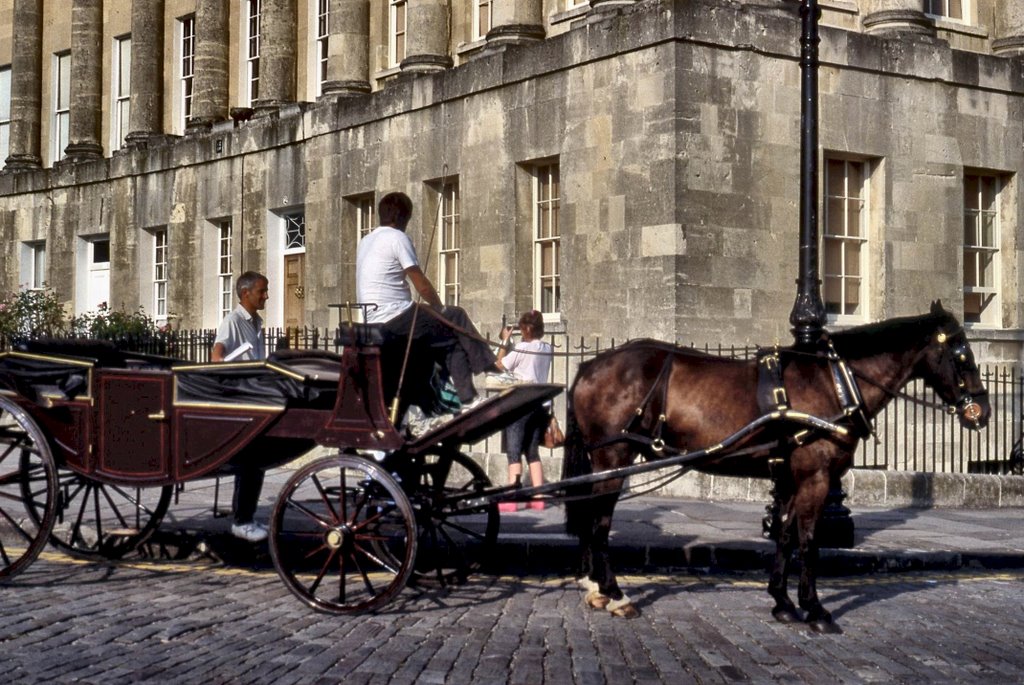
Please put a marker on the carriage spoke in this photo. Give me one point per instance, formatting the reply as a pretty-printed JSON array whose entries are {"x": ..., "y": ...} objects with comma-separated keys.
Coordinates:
[
  {"x": 309, "y": 513},
  {"x": 15, "y": 525},
  {"x": 325, "y": 497},
  {"x": 323, "y": 571}
]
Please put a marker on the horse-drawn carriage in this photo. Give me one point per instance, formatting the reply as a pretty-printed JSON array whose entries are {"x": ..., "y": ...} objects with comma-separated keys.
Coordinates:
[
  {"x": 93, "y": 440},
  {"x": 83, "y": 428}
]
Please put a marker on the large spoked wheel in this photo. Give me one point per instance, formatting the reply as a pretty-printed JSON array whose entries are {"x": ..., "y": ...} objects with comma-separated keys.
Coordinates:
[
  {"x": 101, "y": 521},
  {"x": 28, "y": 490},
  {"x": 455, "y": 539},
  {"x": 343, "y": 535}
]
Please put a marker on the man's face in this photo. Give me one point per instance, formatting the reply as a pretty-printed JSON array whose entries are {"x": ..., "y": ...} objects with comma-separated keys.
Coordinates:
[{"x": 255, "y": 298}]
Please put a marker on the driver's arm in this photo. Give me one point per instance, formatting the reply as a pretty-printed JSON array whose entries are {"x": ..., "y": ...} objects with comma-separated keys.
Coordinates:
[{"x": 423, "y": 286}]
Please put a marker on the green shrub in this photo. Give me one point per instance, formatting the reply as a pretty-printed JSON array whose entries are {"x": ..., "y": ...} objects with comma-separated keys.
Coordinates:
[{"x": 31, "y": 313}]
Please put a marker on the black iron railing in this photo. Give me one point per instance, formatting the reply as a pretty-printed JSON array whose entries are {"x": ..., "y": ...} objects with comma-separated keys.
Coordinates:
[{"x": 909, "y": 437}]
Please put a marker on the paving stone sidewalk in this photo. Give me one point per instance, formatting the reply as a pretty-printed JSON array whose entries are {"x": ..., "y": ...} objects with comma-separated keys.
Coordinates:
[{"x": 664, "y": 533}]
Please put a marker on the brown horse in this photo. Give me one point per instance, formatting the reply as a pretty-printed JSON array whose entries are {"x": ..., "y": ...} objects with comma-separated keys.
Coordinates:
[{"x": 656, "y": 399}]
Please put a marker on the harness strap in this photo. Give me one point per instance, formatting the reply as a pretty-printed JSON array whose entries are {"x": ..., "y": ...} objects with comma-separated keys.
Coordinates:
[
  {"x": 851, "y": 402},
  {"x": 655, "y": 441},
  {"x": 771, "y": 392}
]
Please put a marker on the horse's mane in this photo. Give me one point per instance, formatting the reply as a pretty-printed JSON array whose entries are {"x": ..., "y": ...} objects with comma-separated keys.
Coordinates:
[
  {"x": 859, "y": 341},
  {"x": 877, "y": 338}
]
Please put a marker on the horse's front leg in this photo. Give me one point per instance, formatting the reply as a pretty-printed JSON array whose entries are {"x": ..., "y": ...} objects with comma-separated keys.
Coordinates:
[
  {"x": 809, "y": 508},
  {"x": 778, "y": 584}
]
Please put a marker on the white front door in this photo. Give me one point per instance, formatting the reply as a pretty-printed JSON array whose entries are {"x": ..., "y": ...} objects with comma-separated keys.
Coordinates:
[{"x": 97, "y": 287}]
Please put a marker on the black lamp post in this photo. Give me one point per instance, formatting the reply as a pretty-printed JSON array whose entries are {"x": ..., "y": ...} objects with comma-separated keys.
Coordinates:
[
  {"x": 835, "y": 528},
  {"x": 808, "y": 315}
]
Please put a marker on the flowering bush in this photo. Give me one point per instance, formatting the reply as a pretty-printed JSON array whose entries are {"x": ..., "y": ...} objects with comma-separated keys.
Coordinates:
[
  {"x": 111, "y": 324},
  {"x": 31, "y": 313}
]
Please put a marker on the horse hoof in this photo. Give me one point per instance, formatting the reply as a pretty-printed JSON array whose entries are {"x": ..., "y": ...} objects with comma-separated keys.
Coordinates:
[
  {"x": 625, "y": 611},
  {"x": 824, "y": 626},
  {"x": 598, "y": 601},
  {"x": 783, "y": 615}
]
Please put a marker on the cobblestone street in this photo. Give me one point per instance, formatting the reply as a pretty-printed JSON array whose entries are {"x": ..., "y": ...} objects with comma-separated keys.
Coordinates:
[{"x": 198, "y": 622}]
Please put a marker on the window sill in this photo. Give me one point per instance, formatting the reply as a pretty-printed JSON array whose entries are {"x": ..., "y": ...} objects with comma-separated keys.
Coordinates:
[
  {"x": 472, "y": 46},
  {"x": 569, "y": 15},
  {"x": 385, "y": 74},
  {"x": 846, "y": 6},
  {"x": 954, "y": 26}
]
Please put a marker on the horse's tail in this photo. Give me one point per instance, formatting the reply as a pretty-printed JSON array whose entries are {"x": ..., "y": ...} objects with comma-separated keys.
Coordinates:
[{"x": 575, "y": 462}]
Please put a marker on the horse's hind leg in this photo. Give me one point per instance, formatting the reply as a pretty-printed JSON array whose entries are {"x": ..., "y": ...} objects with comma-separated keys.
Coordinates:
[{"x": 603, "y": 591}]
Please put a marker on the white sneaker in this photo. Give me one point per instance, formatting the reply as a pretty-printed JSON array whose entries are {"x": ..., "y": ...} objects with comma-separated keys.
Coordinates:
[
  {"x": 252, "y": 531},
  {"x": 473, "y": 404}
]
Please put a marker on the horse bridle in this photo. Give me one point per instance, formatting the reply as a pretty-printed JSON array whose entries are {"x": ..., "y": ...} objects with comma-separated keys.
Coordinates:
[
  {"x": 961, "y": 362},
  {"x": 962, "y": 365}
]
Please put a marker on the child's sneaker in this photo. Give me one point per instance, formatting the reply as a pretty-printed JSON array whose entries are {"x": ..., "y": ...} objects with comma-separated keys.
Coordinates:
[
  {"x": 507, "y": 507},
  {"x": 537, "y": 504}
]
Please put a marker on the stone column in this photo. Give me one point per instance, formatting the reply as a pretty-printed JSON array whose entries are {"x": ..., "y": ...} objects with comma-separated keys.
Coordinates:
[
  {"x": 86, "y": 81},
  {"x": 145, "y": 117},
  {"x": 516, "y": 22},
  {"x": 210, "y": 82},
  {"x": 897, "y": 16},
  {"x": 427, "y": 39},
  {"x": 1009, "y": 29},
  {"x": 277, "y": 55},
  {"x": 26, "y": 86},
  {"x": 348, "y": 48}
]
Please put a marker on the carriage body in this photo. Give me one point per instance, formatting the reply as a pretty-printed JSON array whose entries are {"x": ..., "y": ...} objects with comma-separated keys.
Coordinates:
[
  {"x": 83, "y": 424},
  {"x": 149, "y": 421}
]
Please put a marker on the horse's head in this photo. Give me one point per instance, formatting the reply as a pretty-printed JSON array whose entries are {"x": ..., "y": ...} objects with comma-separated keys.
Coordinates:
[{"x": 948, "y": 366}]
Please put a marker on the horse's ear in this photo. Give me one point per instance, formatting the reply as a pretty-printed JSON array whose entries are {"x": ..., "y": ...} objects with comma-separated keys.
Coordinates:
[{"x": 937, "y": 307}]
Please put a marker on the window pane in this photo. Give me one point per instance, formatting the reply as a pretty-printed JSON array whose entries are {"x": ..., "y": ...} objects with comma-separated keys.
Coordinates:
[
  {"x": 833, "y": 258},
  {"x": 855, "y": 179},
  {"x": 986, "y": 269},
  {"x": 64, "y": 81},
  {"x": 972, "y": 308},
  {"x": 988, "y": 193},
  {"x": 834, "y": 216},
  {"x": 5, "y": 94},
  {"x": 101, "y": 251},
  {"x": 970, "y": 226},
  {"x": 834, "y": 183},
  {"x": 853, "y": 218},
  {"x": 988, "y": 230},
  {"x": 853, "y": 249},
  {"x": 971, "y": 192},
  {"x": 970, "y": 269}
]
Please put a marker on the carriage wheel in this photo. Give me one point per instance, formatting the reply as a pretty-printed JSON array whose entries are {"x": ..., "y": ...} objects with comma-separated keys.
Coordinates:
[
  {"x": 101, "y": 521},
  {"x": 453, "y": 542},
  {"x": 28, "y": 490},
  {"x": 343, "y": 535}
]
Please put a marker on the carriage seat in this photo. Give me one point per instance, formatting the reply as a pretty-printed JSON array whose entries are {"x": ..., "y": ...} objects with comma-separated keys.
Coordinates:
[
  {"x": 359, "y": 335},
  {"x": 102, "y": 353}
]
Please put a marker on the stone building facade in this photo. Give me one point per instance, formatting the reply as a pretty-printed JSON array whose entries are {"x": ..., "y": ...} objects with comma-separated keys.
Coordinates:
[{"x": 631, "y": 168}]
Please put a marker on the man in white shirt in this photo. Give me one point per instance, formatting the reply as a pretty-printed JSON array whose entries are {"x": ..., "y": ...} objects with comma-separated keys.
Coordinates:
[
  {"x": 240, "y": 338},
  {"x": 386, "y": 263}
]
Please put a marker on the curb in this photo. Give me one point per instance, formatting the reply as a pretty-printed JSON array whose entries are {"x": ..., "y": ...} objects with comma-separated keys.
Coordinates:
[{"x": 563, "y": 558}]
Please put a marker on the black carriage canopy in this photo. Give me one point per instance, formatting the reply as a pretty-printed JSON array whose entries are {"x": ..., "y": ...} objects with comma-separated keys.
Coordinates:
[
  {"x": 37, "y": 378},
  {"x": 287, "y": 378},
  {"x": 47, "y": 369}
]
